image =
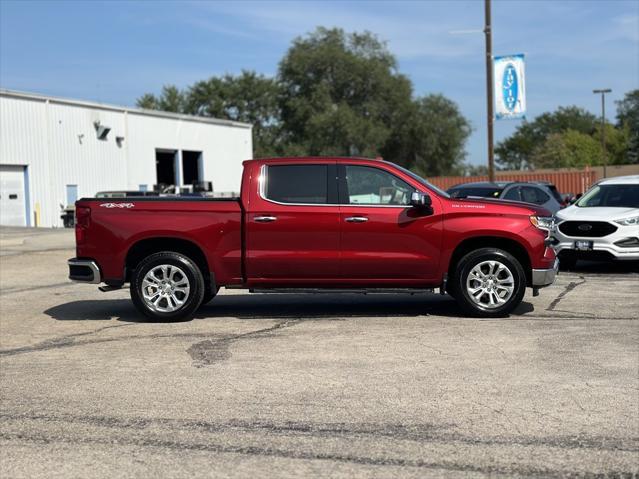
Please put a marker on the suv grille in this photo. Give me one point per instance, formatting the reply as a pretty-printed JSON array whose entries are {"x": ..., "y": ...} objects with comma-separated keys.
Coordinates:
[{"x": 587, "y": 229}]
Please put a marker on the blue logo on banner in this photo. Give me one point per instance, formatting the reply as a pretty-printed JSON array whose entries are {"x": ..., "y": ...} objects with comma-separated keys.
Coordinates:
[{"x": 510, "y": 87}]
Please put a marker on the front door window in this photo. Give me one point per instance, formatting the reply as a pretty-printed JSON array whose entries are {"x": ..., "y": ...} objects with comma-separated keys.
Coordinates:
[{"x": 372, "y": 186}]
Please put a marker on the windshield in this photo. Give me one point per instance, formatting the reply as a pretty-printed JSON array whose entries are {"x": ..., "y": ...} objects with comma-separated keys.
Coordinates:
[
  {"x": 421, "y": 180},
  {"x": 619, "y": 196}
]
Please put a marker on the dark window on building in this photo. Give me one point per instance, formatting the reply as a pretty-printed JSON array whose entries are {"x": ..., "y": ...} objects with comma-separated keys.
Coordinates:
[
  {"x": 297, "y": 184},
  {"x": 191, "y": 167},
  {"x": 165, "y": 167}
]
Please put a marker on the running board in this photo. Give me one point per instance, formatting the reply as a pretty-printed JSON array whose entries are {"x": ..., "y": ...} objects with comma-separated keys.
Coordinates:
[{"x": 341, "y": 291}]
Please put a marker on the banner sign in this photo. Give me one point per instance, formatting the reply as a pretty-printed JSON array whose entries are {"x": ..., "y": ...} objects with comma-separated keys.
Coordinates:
[{"x": 510, "y": 87}]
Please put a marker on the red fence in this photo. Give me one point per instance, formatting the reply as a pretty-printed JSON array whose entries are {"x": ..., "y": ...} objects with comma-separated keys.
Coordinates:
[{"x": 565, "y": 181}]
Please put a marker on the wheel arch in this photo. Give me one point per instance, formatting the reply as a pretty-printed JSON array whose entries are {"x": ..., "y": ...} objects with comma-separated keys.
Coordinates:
[
  {"x": 148, "y": 246},
  {"x": 507, "y": 244}
]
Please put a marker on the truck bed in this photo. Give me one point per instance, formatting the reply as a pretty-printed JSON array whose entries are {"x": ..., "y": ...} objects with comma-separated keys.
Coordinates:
[{"x": 118, "y": 225}]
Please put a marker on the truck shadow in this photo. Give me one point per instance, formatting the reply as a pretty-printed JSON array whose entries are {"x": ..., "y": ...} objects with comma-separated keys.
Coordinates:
[
  {"x": 604, "y": 267},
  {"x": 280, "y": 306}
]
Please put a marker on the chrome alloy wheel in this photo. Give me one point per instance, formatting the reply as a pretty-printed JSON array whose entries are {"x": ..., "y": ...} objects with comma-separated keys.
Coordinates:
[
  {"x": 165, "y": 288},
  {"x": 490, "y": 284}
]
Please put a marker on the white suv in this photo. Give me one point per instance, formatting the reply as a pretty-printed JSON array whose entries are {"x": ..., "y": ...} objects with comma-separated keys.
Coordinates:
[{"x": 603, "y": 224}]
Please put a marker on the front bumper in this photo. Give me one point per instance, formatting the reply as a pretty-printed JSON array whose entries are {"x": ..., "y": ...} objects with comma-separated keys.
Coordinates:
[
  {"x": 84, "y": 271},
  {"x": 545, "y": 277},
  {"x": 602, "y": 245}
]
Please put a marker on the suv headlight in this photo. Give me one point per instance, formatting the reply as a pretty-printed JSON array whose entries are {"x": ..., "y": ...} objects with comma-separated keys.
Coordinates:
[
  {"x": 633, "y": 220},
  {"x": 543, "y": 222}
]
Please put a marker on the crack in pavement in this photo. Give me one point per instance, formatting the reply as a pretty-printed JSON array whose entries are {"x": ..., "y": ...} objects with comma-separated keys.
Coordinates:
[
  {"x": 211, "y": 351},
  {"x": 62, "y": 341},
  {"x": 7, "y": 291},
  {"x": 265, "y": 451},
  {"x": 569, "y": 287},
  {"x": 409, "y": 432},
  {"x": 570, "y": 316},
  {"x": 70, "y": 340}
]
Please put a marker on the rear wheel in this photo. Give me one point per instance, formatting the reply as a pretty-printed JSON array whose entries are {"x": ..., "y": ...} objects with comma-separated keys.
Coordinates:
[
  {"x": 167, "y": 286},
  {"x": 489, "y": 282}
]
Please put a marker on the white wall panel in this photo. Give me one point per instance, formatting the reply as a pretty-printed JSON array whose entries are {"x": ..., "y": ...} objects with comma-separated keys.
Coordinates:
[{"x": 56, "y": 140}]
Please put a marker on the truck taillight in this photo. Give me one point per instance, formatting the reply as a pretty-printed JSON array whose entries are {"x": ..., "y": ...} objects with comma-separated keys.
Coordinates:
[{"x": 82, "y": 220}]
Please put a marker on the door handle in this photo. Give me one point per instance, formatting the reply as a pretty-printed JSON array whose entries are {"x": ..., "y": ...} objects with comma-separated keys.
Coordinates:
[
  {"x": 356, "y": 219},
  {"x": 265, "y": 219}
]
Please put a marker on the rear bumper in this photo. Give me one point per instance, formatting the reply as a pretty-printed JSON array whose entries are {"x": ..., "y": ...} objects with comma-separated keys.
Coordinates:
[
  {"x": 84, "y": 271},
  {"x": 545, "y": 277}
]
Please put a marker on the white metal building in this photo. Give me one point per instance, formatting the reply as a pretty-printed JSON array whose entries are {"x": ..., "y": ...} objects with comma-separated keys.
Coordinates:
[{"x": 54, "y": 151}]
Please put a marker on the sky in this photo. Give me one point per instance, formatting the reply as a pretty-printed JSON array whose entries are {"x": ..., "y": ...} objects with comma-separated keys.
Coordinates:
[{"x": 113, "y": 52}]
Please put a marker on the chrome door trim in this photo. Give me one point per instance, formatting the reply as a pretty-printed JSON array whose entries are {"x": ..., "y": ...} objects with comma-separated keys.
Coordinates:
[{"x": 262, "y": 193}]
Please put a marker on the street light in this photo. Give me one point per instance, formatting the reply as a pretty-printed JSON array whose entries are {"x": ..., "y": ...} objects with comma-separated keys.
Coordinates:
[{"x": 603, "y": 125}]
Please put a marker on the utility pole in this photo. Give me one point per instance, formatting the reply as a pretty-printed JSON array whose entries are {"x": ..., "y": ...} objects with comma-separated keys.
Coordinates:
[
  {"x": 603, "y": 126},
  {"x": 489, "y": 89}
]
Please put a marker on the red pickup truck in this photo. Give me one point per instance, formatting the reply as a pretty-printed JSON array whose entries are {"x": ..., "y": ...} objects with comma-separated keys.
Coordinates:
[{"x": 315, "y": 224}]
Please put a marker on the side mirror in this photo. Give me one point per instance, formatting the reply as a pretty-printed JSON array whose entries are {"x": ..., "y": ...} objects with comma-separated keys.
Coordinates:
[{"x": 419, "y": 199}]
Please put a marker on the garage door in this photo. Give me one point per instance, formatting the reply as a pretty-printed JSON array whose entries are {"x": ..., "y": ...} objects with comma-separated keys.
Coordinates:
[{"x": 12, "y": 199}]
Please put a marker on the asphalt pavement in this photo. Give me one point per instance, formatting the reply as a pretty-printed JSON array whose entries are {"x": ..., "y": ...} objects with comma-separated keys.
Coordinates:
[{"x": 313, "y": 386}]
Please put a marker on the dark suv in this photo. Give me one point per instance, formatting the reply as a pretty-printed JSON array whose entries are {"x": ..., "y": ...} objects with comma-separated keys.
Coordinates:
[{"x": 539, "y": 193}]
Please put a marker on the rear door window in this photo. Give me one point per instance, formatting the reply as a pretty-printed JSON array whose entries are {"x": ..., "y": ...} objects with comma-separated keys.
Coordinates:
[
  {"x": 297, "y": 184},
  {"x": 512, "y": 194},
  {"x": 530, "y": 194}
]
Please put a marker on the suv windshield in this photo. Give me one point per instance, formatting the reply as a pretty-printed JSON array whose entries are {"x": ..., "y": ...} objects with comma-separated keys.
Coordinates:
[{"x": 619, "y": 196}]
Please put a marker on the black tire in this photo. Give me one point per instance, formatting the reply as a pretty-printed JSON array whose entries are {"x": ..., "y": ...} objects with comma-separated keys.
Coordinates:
[
  {"x": 191, "y": 300},
  {"x": 463, "y": 270}
]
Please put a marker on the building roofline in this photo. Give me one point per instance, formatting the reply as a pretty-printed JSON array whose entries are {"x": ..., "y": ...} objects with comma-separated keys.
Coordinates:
[{"x": 122, "y": 109}]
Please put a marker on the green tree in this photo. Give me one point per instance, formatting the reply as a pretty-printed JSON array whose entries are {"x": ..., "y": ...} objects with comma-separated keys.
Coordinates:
[
  {"x": 617, "y": 142},
  {"x": 171, "y": 99},
  {"x": 148, "y": 101},
  {"x": 432, "y": 139},
  {"x": 516, "y": 151},
  {"x": 628, "y": 119},
  {"x": 335, "y": 94},
  {"x": 341, "y": 93},
  {"x": 567, "y": 149},
  {"x": 248, "y": 97}
]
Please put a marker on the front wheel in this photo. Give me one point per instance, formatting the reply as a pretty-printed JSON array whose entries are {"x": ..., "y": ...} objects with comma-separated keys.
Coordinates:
[
  {"x": 489, "y": 282},
  {"x": 167, "y": 286}
]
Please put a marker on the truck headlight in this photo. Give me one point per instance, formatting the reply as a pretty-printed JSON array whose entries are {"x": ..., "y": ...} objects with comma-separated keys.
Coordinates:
[
  {"x": 633, "y": 220},
  {"x": 543, "y": 222}
]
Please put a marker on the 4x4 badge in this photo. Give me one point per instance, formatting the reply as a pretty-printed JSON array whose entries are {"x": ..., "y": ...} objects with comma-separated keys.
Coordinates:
[{"x": 117, "y": 205}]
